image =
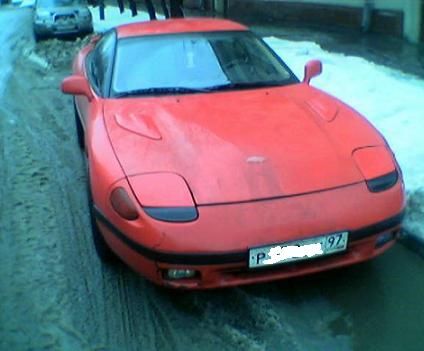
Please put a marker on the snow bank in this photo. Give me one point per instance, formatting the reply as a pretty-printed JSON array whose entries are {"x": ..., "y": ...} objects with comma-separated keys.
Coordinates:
[{"x": 13, "y": 39}]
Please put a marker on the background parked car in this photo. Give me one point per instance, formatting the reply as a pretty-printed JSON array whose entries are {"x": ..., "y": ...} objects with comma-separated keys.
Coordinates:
[{"x": 61, "y": 17}]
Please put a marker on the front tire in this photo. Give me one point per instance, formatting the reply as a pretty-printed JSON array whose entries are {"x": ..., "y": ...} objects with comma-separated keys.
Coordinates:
[
  {"x": 80, "y": 129},
  {"x": 104, "y": 252}
]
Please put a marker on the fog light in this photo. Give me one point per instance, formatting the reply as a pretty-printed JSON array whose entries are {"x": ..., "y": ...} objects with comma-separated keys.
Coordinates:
[
  {"x": 180, "y": 273},
  {"x": 383, "y": 239}
]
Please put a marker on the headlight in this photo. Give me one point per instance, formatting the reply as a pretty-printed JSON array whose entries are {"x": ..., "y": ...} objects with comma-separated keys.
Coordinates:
[
  {"x": 42, "y": 14},
  {"x": 383, "y": 183},
  {"x": 164, "y": 196},
  {"x": 378, "y": 167},
  {"x": 172, "y": 214}
]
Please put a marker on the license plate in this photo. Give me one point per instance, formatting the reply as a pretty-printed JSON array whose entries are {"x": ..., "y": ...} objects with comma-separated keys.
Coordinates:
[
  {"x": 298, "y": 250},
  {"x": 65, "y": 23}
]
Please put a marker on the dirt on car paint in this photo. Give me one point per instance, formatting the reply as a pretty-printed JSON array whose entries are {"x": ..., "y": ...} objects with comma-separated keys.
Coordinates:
[{"x": 56, "y": 295}]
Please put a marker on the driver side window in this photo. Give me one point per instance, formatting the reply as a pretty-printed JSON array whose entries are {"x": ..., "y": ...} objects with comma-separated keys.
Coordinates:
[{"x": 101, "y": 62}]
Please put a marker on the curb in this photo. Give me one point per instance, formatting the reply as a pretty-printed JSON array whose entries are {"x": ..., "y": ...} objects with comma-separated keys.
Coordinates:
[{"x": 413, "y": 242}]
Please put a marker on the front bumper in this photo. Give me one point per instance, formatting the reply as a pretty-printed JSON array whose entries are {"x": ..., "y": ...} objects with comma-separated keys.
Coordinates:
[
  {"x": 49, "y": 27},
  {"x": 231, "y": 269},
  {"x": 217, "y": 244}
]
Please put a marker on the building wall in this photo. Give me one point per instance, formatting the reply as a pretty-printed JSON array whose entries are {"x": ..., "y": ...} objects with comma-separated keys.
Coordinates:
[
  {"x": 422, "y": 21},
  {"x": 414, "y": 19},
  {"x": 411, "y": 9},
  {"x": 394, "y": 17},
  {"x": 381, "y": 4}
]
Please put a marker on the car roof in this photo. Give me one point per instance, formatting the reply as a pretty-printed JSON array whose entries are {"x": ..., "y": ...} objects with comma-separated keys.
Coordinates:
[{"x": 170, "y": 26}]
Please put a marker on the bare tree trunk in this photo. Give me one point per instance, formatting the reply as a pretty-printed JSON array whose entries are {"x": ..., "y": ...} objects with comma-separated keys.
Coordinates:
[
  {"x": 165, "y": 8},
  {"x": 102, "y": 10},
  {"x": 150, "y": 9},
  {"x": 177, "y": 8},
  {"x": 133, "y": 8},
  {"x": 121, "y": 6}
]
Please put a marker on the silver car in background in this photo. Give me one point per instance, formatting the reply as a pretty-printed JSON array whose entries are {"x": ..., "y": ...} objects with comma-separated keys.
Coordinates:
[{"x": 61, "y": 17}]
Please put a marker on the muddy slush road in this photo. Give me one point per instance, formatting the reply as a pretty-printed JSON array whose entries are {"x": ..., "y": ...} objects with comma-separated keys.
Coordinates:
[{"x": 56, "y": 295}]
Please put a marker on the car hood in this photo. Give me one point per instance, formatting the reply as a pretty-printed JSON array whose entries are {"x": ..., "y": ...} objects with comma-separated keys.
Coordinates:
[{"x": 241, "y": 146}]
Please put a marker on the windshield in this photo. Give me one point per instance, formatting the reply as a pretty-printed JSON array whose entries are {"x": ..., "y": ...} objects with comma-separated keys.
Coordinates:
[
  {"x": 58, "y": 3},
  {"x": 187, "y": 62}
]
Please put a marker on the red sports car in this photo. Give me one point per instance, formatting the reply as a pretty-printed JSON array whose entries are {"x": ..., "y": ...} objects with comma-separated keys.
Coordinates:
[{"x": 212, "y": 165}]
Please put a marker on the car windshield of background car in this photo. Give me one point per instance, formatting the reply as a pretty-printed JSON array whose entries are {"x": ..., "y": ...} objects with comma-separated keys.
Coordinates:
[
  {"x": 59, "y": 3},
  {"x": 195, "y": 61}
]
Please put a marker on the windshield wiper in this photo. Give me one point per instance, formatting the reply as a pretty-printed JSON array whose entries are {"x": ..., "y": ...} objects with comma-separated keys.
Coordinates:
[
  {"x": 186, "y": 90},
  {"x": 245, "y": 85},
  {"x": 160, "y": 91}
]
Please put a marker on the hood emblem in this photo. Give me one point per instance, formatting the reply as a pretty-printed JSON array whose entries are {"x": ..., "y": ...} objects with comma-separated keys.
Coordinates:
[{"x": 255, "y": 159}]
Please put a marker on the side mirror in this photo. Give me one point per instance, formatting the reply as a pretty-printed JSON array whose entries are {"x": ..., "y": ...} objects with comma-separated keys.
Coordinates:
[
  {"x": 312, "y": 69},
  {"x": 76, "y": 85}
]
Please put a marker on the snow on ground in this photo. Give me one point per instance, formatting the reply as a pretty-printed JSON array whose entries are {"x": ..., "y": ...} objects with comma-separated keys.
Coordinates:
[{"x": 10, "y": 48}]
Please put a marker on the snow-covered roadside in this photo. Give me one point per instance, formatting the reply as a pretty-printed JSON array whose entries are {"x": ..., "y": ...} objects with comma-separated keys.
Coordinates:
[
  {"x": 9, "y": 52},
  {"x": 390, "y": 99}
]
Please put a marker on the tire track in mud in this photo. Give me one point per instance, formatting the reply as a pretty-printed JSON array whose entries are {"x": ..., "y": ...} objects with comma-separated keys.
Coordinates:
[{"x": 59, "y": 296}]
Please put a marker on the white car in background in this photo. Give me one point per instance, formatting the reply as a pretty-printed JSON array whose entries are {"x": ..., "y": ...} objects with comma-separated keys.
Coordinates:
[{"x": 54, "y": 18}]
